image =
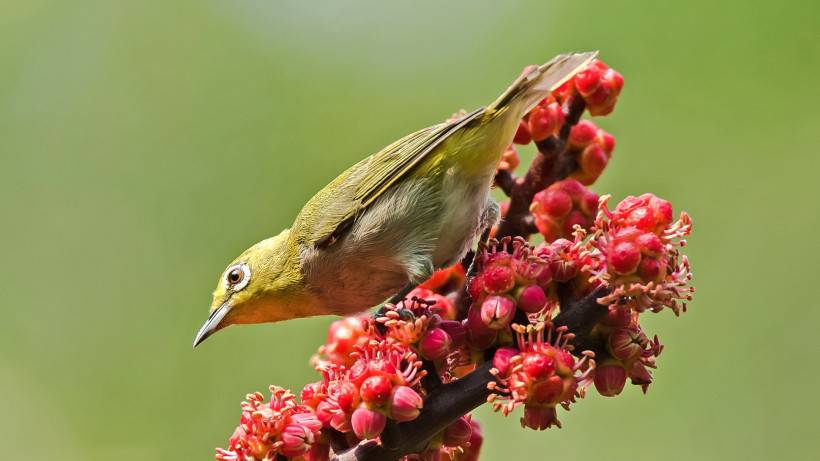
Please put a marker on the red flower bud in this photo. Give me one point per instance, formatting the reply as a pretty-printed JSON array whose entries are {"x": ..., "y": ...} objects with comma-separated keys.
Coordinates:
[
  {"x": 456, "y": 331},
  {"x": 538, "y": 366},
  {"x": 553, "y": 202},
  {"x": 593, "y": 160},
  {"x": 458, "y": 433},
  {"x": 544, "y": 121},
  {"x": 624, "y": 258},
  {"x": 375, "y": 390},
  {"x": 575, "y": 218},
  {"x": 613, "y": 79},
  {"x": 296, "y": 440},
  {"x": 509, "y": 159},
  {"x": 501, "y": 359},
  {"x": 539, "y": 417},
  {"x": 588, "y": 80},
  {"x": 650, "y": 244},
  {"x": 435, "y": 344},
  {"x": 640, "y": 376},
  {"x": 522, "y": 136},
  {"x": 498, "y": 279},
  {"x": 367, "y": 424},
  {"x": 589, "y": 203},
  {"x": 583, "y": 133},
  {"x": 532, "y": 299},
  {"x": 618, "y": 317},
  {"x": 647, "y": 212},
  {"x": 625, "y": 344},
  {"x": 606, "y": 141},
  {"x": 610, "y": 379},
  {"x": 547, "y": 227},
  {"x": 405, "y": 404},
  {"x": 650, "y": 269},
  {"x": 497, "y": 312}
]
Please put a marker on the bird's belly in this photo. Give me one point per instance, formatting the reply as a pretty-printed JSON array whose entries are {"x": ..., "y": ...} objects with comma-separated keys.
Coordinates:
[{"x": 461, "y": 214}]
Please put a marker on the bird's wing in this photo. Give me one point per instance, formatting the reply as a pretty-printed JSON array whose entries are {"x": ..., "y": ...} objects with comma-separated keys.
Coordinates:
[{"x": 371, "y": 178}]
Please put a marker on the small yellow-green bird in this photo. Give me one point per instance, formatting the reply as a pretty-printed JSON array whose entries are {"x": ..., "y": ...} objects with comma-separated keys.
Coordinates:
[{"x": 388, "y": 221}]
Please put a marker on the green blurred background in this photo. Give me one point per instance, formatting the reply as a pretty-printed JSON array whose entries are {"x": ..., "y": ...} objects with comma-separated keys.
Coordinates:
[{"x": 144, "y": 144}]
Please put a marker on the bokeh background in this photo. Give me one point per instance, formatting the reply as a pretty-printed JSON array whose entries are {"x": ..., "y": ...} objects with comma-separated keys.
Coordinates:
[{"x": 144, "y": 144}]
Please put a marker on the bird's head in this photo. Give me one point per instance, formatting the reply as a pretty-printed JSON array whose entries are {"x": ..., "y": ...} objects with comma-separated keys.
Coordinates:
[{"x": 264, "y": 284}]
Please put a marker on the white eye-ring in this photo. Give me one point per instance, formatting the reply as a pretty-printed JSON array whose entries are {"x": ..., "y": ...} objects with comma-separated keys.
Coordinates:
[{"x": 237, "y": 276}]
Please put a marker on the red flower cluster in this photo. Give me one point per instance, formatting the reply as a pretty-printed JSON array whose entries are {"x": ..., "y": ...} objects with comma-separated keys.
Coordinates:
[
  {"x": 380, "y": 384},
  {"x": 372, "y": 367},
  {"x": 563, "y": 205},
  {"x": 641, "y": 260},
  {"x": 598, "y": 84},
  {"x": 267, "y": 430},
  {"x": 628, "y": 352},
  {"x": 343, "y": 337},
  {"x": 539, "y": 374}
]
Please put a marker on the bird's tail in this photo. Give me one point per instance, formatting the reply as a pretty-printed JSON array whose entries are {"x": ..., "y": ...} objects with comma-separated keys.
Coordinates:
[{"x": 537, "y": 82}]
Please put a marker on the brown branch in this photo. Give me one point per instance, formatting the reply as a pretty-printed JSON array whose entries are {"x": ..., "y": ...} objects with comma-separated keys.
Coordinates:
[
  {"x": 448, "y": 402},
  {"x": 552, "y": 163},
  {"x": 505, "y": 181}
]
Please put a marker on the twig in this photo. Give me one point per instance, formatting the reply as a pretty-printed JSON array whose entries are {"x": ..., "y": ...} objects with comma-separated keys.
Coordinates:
[{"x": 552, "y": 163}]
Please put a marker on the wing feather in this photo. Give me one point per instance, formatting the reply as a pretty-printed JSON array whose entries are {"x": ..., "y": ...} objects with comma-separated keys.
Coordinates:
[{"x": 371, "y": 178}]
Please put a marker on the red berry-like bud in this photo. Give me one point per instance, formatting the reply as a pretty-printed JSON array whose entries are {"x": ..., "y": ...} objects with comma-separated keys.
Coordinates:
[
  {"x": 588, "y": 80},
  {"x": 310, "y": 394},
  {"x": 405, "y": 404},
  {"x": 589, "y": 203},
  {"x": 624, "y": 258},
  {"x": 593, "y": 160},
  {"x": 435, "y": 344},
  {"x": 639, "y": 375},
  {"x": 501, "y": 359},
  {"x": 509, "y": 159},
  {"x": 478, "y": 334},
  {"x": 650, "y": 244},
  {"x": 583, "y": 133},
  {"x": 650, "y": 269},
  {"x": 297, "y": 439},
  {"x": 456, "y": 330},
  {"x": 613, "y": 79},
  {"x": 547, "y": 227},
  {"x": 599, "y": 97},
  {"x": 532, "y": 299},
  {"x": 382, "y": 367},
  {"x": 574, "y": 218},
  {"x": 498, "y": 279},
  {"x": 544, "y": 121},
  {"x": 458, "y": 433},
  {"x": 367, "y": 424},
  {"x": 497, "y": 312},
  {"x": 606, "y": 141},
  {"x": 610, "y": 379},
  {"x": 624, "y": 344},
  {"x": 618, "y": 316},
  {"x": 375, "y": 390},
  {"x": 539, "y": 417},
  {"x": 647, "y": 213},
  {"x": 522, "y": 136},
  {"x": 554, "y": 202},
  {"x": 538, "y": 366}
]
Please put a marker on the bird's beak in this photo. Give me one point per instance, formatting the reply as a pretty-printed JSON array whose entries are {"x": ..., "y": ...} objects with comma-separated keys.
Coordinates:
[{"x": 212, "y": 324}]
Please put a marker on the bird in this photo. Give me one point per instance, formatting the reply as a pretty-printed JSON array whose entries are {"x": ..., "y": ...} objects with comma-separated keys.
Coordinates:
[{"x": 389, "y": 221}]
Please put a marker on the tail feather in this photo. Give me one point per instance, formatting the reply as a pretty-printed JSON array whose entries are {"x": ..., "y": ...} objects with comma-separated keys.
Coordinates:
[{"x": 534, "y": 85}]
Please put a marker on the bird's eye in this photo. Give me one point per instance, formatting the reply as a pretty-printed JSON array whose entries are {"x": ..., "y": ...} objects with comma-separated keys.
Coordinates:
[
  {"x": 234, "y": 276},
  {"x": 237, "y": 276}
]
